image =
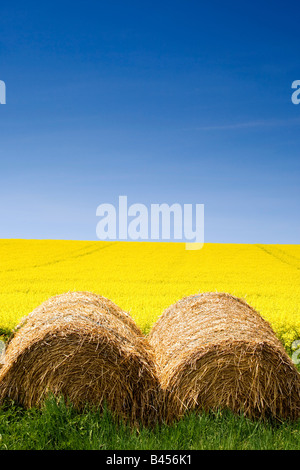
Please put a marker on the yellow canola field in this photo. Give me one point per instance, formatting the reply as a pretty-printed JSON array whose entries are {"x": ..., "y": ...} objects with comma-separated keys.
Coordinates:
[{"x": 145, "y": 278}]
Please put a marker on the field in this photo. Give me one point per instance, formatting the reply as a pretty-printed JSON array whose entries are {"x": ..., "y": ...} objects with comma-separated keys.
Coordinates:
[{"x": 145, "y": 278}]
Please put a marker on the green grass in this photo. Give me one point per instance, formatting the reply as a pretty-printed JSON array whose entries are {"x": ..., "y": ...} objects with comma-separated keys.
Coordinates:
[{"x": 58, "y": 427}]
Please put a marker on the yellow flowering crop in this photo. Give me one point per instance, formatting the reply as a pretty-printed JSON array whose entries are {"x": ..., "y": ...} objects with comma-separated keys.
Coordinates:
[{"x": 144, "y": 278}]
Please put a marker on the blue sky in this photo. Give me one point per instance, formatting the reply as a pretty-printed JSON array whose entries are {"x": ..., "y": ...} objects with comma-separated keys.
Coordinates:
[{"x": 170, "y": 101}]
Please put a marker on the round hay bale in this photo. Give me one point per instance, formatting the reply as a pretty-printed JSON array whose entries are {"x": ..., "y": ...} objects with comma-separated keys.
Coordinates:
[
  {"x": 215, "y": 351},
  {"x": 86, "y": 354},
  {"x": 78, "y": 299}
]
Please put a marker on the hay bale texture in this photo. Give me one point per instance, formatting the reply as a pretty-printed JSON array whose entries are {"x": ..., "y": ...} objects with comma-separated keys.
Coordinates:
[
  {"x": 215, "y": 351},
  {"x": 85, "y": 348}
]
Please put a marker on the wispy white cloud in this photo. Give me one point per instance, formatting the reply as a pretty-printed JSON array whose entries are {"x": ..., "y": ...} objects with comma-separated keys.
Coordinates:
[{"x": 252, "y": 124}]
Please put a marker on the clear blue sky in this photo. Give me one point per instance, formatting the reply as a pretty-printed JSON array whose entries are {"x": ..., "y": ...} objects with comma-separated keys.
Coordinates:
[{"x": 162, "y": 101}]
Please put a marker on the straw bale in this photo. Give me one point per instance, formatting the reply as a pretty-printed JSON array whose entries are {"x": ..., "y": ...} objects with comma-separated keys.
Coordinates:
[
  {"x": 86, "y": 349},
  {"x": 79, "y": 299},
  {"x": 214, "y": 351}
]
